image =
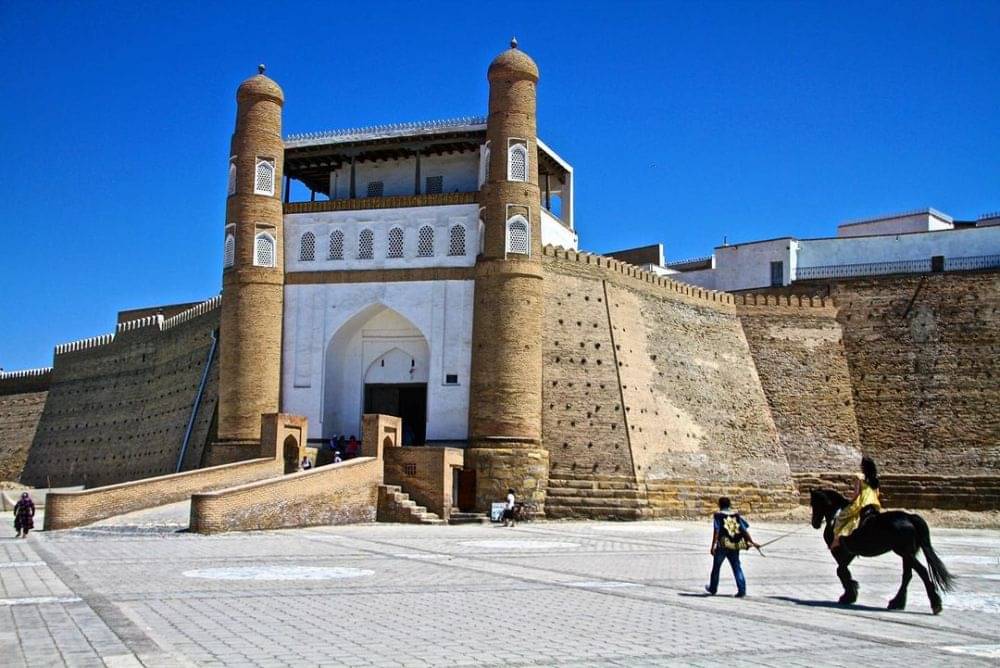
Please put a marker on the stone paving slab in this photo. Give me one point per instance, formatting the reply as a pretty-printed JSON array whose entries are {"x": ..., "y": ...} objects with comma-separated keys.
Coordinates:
[{"x": 136, "y": 591}]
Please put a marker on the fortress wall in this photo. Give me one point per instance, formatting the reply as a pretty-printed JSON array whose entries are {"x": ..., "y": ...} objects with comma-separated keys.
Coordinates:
[
  {"x": 694, "y": 414},
  {"x": 798, "y": 351},
  {"x": 924, "y": 358},
  {"x": 118, "y": 405},
  {"x": 19, "y": 416}
]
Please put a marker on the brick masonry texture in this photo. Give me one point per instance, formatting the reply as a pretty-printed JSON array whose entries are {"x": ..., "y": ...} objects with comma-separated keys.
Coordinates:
[
  {"x": 652, "y": 404},
  {"x": 119, "y": 411},
  {"x": 923, "y": 354},
  {"x": 65, "y": 510},
  {"x": 19, "y": 416},
  {"x": 800, "y": 358},
  {"x": 342, "y": 493},
  {"x": 429, "y": 481}
]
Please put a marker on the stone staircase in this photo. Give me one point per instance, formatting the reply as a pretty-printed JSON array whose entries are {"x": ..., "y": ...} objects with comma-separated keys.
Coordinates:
[
  {"x": 458, "y": 517},
  {"x": 587, "y": 495},
  {"x": 395, "y": 505}
]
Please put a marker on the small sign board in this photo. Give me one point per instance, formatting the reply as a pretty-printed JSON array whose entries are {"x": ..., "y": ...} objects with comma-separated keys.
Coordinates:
[{"x": 496, "y": 511}]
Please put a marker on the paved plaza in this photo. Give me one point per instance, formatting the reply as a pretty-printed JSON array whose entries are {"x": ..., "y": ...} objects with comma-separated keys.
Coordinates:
[{"x": 137, "y": 591}]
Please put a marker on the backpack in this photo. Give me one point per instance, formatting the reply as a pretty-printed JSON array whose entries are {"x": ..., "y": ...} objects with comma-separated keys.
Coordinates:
[{"x": 731, "y": 534}]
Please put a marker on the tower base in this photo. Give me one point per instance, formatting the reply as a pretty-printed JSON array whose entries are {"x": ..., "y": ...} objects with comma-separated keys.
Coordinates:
[{"x": 509, "y": 464}]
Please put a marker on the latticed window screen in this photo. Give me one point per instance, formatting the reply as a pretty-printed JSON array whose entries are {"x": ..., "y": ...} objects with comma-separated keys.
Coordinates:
[
  {"x": 518, "y": 157},
  {"x": 425, "y": 241},
  {"x": 434, "y": 185},
  {"x": 307, "y": 248},
  {"x": 517, "y": 236},
  {"x": 231, "y": 186},
  {"x": 336, "y": 245},
  {"x": 264, "y": 178},
  {"x": 394, "y": 248},
  {"x": 366, "y": 245},
  {"x": 229, "y": 251},
  {"x": 456, "y": 240},
  {"x": 263, "y": 250},
  {"x": 375, "y": 188}
]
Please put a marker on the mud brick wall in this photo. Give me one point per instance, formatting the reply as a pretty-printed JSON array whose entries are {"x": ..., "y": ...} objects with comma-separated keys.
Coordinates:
[
  {"x": 65, "y": 510},
  {"x": 342, "y": 493},
  {"x": 425, "y": 473},
  {"x": 117, "y": 410},
  {"x": 799, "y": 354},
  {"x": 924, "y": 357},
  {"x": 671, "y": 372},
  {"x": 19, "y": 416}
]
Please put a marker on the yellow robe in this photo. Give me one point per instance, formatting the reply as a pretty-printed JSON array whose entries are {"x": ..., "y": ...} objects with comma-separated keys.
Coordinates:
[{"x": 847, "y": 520}]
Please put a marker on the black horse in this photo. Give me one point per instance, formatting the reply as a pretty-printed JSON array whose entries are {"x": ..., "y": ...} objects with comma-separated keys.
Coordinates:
[{"x": 903, "y": 533}]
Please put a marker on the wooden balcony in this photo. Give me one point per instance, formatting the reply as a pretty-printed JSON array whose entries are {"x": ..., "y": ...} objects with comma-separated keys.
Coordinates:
[{"x": 397, "y": 202}]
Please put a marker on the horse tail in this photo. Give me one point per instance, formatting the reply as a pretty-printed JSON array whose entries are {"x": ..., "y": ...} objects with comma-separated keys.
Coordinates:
[{"x": 944, "y": 580}]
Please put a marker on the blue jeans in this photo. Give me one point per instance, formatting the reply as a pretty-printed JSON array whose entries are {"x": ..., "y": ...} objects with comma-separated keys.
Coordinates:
[{"x": 734, "y": 560}]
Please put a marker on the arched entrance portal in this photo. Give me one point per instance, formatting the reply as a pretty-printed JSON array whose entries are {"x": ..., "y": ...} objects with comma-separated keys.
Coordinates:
[
  {"x": 290, "y": 453},
  {"x": 377, "y": 362}
]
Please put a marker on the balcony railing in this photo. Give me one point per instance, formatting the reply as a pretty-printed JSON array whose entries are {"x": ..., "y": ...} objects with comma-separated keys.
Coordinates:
[
  {"x": 899, "y": 267},
  {"x": 392, "y": 202}
]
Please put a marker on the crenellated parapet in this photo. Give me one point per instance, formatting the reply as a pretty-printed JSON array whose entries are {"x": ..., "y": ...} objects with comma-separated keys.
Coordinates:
[
  {"x": 147, "y": 322},
  {"x": 84, "y": 344},
  {"x": 193, "y": 312},
  {"x": 25, "y": 380}
]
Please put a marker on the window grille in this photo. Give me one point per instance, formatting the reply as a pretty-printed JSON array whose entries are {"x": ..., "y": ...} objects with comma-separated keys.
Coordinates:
[
  {"x": 518, "y": 239},
  {"x": 263, "y": 250},
  {"x": 366, "y": 245},
  {"x": 434, "y": 185},
  {"x": 395, "y": 246},
  {"x": 336, "y": 245},
  {"x": 307, "y": 249},
  {"x": 229, "y": 252},
  {"x": 456, "y": 240},
  {"x": 264, "y": 178},
  {"x": 425, "y": 241},
  {"x": 231, "y": 186},
  {"x": 410, "y": 469},
  {"x": 375, "y": 188},
  {"x": 518, "y": 163}
]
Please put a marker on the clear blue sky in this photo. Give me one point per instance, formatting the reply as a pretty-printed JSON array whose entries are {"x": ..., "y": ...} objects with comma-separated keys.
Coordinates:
[{"x": 685, "y": 123}]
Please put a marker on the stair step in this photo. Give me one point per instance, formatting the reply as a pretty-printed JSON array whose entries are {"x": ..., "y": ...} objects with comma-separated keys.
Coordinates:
[{"x": 468, "y": 518}]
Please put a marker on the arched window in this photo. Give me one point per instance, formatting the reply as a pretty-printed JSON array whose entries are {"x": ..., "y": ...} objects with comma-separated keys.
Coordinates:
[
  {"x": 263, "y": 250},
  {"x": 366, "y": 245},
  {"x": 336, "y": 245},
  {"x": 518, "y": 236},
  {"x": 231, "y": 186},
  {"x": 394, "y": 248},
  {"x": 456, "y": 240},
  {"x": 229, "y": 251},
  {"x": 263, "y": 183},
  {"x": 307, "y": 248},
  {"x": 517, "y": 163},
  {"x": 425, "y": 241}
]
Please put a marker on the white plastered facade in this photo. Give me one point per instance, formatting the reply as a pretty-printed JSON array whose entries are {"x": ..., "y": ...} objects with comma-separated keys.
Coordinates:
[{"x": 336, "y": 337}]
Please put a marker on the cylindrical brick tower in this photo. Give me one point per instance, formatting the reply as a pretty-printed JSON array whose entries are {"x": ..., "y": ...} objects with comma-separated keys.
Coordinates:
[
  {"x": 505, "y": 409},
  {"x": 253, "y": 277}
]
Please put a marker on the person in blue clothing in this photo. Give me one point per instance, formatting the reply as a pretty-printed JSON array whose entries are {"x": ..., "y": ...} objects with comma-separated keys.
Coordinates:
[{"x": 730, "y": 535}]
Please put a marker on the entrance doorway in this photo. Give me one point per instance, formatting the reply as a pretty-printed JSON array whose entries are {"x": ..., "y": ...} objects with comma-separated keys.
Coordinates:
[
  {"x": 291, "y": 455},
  {"x": 407, "y": 401}
]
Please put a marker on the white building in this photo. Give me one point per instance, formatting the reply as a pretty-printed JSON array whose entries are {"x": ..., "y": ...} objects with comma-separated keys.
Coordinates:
[{"x": 913, "y": 242}]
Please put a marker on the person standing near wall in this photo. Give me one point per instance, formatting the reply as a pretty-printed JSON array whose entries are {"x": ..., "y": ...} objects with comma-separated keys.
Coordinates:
[
  {"x": 24, "y": 515},
  {"x": 729, "y": 536}
]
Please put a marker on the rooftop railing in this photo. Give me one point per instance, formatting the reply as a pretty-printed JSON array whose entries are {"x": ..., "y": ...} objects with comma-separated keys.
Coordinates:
[
  {"x": 392, "y": 202},
  {"x": 970, "y": 263}
]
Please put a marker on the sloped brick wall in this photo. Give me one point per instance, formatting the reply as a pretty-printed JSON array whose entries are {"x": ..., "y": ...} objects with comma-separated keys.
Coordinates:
[
  {"x": 19, "y": 416},
  {"x": 117, "y": 411}
]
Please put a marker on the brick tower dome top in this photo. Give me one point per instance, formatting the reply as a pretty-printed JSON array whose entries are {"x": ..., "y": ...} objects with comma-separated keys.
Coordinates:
[
  {"x": 260, "y": 86},
  {"x": 513, "y": 64}
]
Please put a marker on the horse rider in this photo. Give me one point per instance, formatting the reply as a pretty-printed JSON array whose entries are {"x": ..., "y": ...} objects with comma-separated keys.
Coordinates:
[{"x": 864, "y": 504}]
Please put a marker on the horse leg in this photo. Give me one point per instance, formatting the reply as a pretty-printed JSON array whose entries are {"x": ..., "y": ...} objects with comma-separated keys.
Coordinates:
[
  {"x": 899, "y": 602},
  {"x": 850, "y": 594},
  {"x": 932, "y": 593}
]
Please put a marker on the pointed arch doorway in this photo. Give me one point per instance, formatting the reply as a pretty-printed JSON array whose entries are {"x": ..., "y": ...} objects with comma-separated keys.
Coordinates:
[{"x": 377, "y": 362}]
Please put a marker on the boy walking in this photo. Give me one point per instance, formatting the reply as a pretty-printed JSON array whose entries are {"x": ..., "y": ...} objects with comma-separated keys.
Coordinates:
[{"x": 729, "y": 537}]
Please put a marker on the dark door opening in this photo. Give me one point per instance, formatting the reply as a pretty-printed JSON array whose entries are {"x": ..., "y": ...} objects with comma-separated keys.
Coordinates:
[
  {"x": 404, "y": 400},
  {"x": 291, "y": 455},
  {"x": 466, "y": 501}
]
